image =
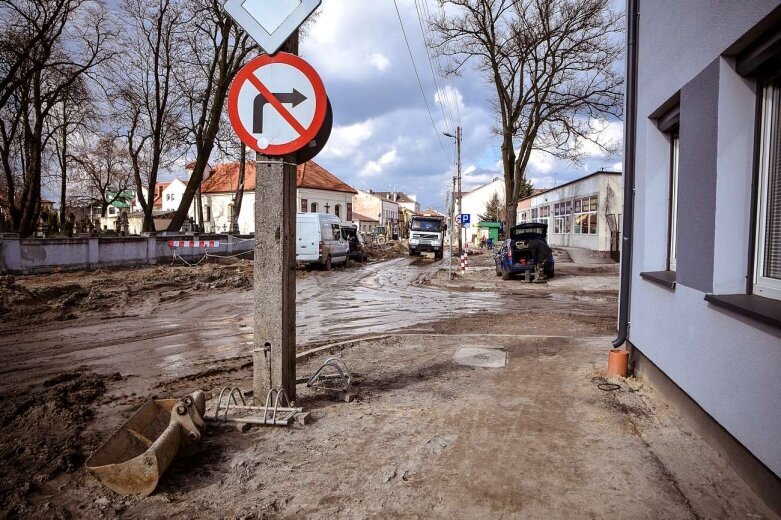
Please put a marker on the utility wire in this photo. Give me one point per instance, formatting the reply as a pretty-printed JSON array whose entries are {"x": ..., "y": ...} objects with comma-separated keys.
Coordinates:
[
  {"x": 452, "y": 99},
  {"x": 420, "y": 84},
  {"x": 443, "y": 105}
]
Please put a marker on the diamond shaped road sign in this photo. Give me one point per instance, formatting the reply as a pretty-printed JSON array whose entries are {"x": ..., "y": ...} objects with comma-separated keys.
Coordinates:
[{"x": 271, "y": 22}]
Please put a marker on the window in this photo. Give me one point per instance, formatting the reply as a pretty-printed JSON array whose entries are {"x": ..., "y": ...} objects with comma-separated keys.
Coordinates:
[
  {"x": 349, "y": 212},
  {"x": 585, "y": 216},
  {"x": 767, "y": 277},
  {"x": 673, "y": 235},
  {"x": 562, "y": 213},
  {"x": 338, "y": 210},
  {"x": 304, "y": 205},
  {"x": 544, "y": 214},
  {"x": 208, "y": 213},
  {"x": 336, "y": 229},
  {"x": 314, "y": 207}
]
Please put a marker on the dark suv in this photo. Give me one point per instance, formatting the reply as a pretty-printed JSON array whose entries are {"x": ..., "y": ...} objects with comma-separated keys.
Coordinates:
[
  {"x": 514, "y": 256},
  {"x": 357, "y": 247}
]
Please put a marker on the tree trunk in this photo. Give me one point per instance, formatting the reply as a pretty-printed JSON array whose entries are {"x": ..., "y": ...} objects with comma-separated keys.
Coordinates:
[
  {"x": 239, "y": 196},
  {"x": 508, "y": 163},
  {"x": 64, "y": 164}
]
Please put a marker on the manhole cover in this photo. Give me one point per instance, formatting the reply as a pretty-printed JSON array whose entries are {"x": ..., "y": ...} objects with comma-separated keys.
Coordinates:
[{"x": 480, "y": 357}]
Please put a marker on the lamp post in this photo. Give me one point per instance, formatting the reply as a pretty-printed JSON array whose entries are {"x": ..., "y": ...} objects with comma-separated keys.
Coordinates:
[{"x": 457, "y": 180}]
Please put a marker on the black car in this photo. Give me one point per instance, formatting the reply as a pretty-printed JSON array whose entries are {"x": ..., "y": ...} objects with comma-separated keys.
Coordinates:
[
  {"x": 357, "y": 247},
  {"x": 515, "y": 257}
]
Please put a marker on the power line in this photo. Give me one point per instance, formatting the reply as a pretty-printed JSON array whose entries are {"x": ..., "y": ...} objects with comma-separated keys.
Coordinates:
[
  {"x": 449, "y": 93},
  {"x": 420, "y": 83},
  {"x": 443, "y": 106}
]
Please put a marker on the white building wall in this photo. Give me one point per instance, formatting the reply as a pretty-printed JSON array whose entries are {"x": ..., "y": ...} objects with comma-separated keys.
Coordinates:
[
  {"x": 323, "y": 198},
  {"x": 727, "y": 363},
  {"x": 372, "y": 206},
  {"x": 609, "y": 192},
  {"x": 474, "y": 203},
  {"x": 172, "y": 195}
]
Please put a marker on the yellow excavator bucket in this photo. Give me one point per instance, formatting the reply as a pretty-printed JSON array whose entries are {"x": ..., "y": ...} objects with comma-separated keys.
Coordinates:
[{"x": 134, "y": 458}]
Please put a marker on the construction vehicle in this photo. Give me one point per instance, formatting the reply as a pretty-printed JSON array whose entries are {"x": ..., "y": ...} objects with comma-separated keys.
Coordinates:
[{"x": 427, "y": 235}]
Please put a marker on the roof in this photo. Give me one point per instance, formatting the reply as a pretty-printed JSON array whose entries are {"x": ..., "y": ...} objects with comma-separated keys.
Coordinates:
[
  {"x": 225, "y": 177},
  {"x": 400, "y": 197},
  {"x": 363, "y": 218},
  {"x": 540, "y": 192},
  {"x": 432, "y": 212},
  {"x": 312, "y": 175}
]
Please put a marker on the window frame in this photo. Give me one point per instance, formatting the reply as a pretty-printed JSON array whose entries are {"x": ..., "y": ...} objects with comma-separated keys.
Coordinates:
[
  {"x": 673, "y": 202},
  {"x": 769, "y": 100},
  {"x": 304, "y": 205}
]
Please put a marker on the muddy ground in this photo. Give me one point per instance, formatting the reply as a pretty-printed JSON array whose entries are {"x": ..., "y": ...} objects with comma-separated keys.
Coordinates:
[{"x": 426, "y": 437}]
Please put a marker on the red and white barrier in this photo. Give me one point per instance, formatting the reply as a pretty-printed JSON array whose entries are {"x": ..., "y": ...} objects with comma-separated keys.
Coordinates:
[{"x": 193, "y": 243}]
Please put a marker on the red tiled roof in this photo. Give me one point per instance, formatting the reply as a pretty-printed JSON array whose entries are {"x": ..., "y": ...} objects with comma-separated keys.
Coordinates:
[
  {"x": 312, "y": 175},
  {"x": 225, "y": 176}
]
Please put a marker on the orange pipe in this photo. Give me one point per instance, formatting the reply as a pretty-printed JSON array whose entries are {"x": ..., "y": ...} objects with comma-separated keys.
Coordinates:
[{"x": 617, "y": 363}]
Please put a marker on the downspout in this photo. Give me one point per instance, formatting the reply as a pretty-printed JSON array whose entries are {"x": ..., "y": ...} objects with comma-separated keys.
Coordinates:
[{"x": 630, "y": 141}]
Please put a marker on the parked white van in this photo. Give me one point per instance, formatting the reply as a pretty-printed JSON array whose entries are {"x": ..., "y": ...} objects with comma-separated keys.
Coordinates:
[{"x": 319, "y": 240}]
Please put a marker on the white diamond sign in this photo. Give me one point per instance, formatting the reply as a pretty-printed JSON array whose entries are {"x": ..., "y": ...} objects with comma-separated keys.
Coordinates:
[{"x": 271, "y": 22}]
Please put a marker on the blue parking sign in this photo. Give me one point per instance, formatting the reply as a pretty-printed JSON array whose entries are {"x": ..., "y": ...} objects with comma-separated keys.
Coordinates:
[{"x": 465, "y": 219}]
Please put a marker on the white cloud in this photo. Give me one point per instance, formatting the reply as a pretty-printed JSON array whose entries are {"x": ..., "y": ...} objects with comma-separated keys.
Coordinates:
[
  {"x": 345, "y": 141},
  {"x": 379, "y": 61},
  {"x": 375, "y": 168}
]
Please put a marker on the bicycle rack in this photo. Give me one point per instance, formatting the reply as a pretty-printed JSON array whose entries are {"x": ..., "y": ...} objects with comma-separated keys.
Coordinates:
[
  {"x": 324, "y": 382},
  {"x": 276, "y": 412}
]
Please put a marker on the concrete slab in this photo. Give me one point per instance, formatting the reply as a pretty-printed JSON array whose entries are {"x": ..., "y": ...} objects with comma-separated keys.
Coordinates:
[{"x": 480, "y": 357}]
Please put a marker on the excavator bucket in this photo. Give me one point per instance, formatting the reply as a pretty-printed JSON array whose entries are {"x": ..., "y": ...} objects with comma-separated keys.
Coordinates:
[{"x": 134, "y": 458}]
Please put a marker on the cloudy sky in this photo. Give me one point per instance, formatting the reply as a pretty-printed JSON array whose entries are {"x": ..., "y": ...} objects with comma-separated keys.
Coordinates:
[{"x": 383, "y": 138}]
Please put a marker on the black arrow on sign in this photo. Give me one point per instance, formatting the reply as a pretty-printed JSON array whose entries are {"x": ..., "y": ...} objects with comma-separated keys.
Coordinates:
[{"x": 294, "y": 98}]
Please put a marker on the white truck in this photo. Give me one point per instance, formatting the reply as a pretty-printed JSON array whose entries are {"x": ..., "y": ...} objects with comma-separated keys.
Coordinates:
[{"x": 427, "y": 235}]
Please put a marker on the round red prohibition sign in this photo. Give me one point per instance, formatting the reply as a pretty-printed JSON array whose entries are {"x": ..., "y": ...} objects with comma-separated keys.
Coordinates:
[{"x": 277, "y": 104}]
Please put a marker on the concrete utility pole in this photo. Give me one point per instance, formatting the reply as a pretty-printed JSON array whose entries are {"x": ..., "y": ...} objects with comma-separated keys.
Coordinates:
[
  {"x": 457, "y": 181},
  {"x": 458, "y": 173},
  {"x": 274, "y": 354}
]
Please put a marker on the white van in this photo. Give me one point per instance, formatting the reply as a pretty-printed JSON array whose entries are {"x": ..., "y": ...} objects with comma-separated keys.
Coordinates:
[{"x": 319, "y": 240}]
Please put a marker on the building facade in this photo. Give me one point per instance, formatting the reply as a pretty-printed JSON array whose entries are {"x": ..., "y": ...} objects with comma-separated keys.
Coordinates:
[
  {"x": 474, "y": 204},
  {"x": 586, "y": 212},
  {"x": 384, "y": 209},
  {"x": 408, "y": 202},
  {"x": 704, "y": 287},
  {"x": 318, "y": 191}
]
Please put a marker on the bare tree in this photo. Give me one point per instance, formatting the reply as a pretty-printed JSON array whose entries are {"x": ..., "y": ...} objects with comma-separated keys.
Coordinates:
[
  {"x": 58, "y": 59},
  {"x": 144, "y": 93},
  {"x": 217, "y": 48},
  {"x": 104, "y": 172},
  {"x": 552, "y": 63},
  {"x": 70, "y": 119}
]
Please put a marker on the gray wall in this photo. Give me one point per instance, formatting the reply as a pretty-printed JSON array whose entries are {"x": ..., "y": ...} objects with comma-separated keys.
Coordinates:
[
  {"x": 697, "y": 179},
  {"x": 33, "y": 255},
  {"x": 728, "y": 364}
]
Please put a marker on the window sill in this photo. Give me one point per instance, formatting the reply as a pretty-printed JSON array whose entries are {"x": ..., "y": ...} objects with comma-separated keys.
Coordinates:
[
  {"x": 666, "y": 279},
  {"x": 752, "y": 306}
]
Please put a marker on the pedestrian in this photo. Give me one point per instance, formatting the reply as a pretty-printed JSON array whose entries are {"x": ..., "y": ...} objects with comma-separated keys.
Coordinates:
[
  {"x": 482, "y": 242},
  {"x": 540, "y": 253},
  {"x": 490, "y": 243}
]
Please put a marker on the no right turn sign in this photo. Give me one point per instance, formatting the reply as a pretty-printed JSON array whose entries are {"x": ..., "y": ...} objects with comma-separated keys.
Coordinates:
[{"x": 277, "y": 104}]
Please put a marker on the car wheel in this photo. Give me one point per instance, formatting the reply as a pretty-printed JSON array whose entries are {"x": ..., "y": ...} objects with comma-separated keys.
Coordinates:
[
  {"x": 550, "y": 273},
  {"x": 506, "y": 276},
  {"x": 498, "y": 271},
  {"x": 438, "y": 256}
]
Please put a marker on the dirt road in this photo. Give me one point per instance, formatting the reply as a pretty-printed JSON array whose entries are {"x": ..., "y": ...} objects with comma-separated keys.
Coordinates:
[
  {"x": 426, "y": 438},
  {"x": 178, "y": 333}
]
